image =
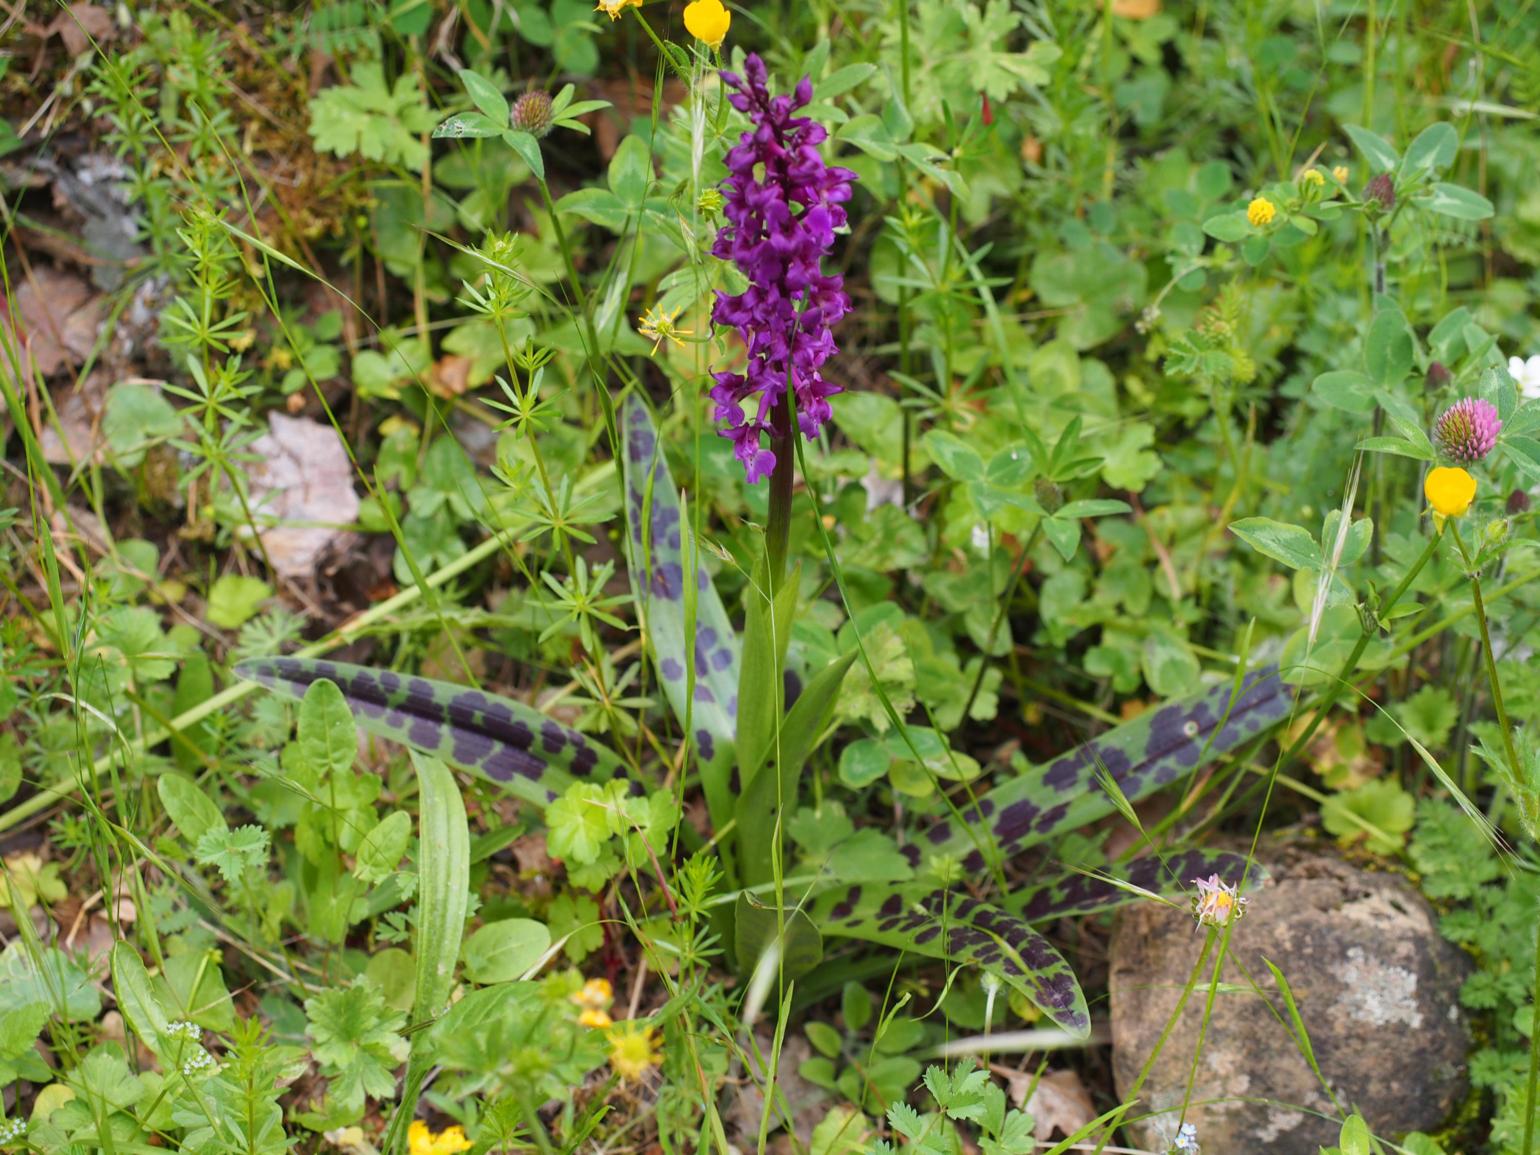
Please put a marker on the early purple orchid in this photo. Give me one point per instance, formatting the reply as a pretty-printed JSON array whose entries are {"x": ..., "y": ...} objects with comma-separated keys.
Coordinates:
[{"x": 783, "y": 205}]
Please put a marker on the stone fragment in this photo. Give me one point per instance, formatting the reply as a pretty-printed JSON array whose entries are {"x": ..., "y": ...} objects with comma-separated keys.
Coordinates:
[{"x": 1376, "y": 986}]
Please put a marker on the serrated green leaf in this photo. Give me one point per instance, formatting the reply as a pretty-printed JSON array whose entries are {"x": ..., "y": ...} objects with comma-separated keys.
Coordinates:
[
  {"x": 1289, "y": 544},
  {"x": 381, "y": 849}
]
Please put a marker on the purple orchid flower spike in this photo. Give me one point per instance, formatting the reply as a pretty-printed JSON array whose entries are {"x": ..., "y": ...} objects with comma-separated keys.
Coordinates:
[{"x": 783, "y": 206}]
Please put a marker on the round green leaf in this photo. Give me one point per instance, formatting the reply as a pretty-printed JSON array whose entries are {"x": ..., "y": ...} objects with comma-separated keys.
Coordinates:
[{"x": 502, "y": 951}]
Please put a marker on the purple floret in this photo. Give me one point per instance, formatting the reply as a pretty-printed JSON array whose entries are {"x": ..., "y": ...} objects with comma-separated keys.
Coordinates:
[
  {"x": 1468, "y": 430},
  {"x": 783, "y": 205}
]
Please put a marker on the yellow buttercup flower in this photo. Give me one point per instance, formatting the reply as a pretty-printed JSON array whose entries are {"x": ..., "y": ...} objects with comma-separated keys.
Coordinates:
[
  {"x": 1260, "y": 212},
  {"x": 1312, "y": 176},
  {"x": 594, "y": 1018},
  {"x": 1449, "y": 490},
  {"x": 633, "y": 1050},
  {"x": 1340, "y": 174},
  {"x": 596, "y": 995},
  {"x": 450, "y": 1141},
  {"x": 707, "y": 21},
  {"x": 613, "y": 8}
]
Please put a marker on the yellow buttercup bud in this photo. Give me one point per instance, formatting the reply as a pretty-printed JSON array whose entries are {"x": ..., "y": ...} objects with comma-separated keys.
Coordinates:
[
  {"x": 707, "y": 21},
  {"x": 1449, "y": 490}
]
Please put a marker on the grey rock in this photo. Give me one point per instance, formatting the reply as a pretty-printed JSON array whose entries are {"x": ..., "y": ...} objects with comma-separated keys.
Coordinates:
[{"x": 1376, "y": 986}]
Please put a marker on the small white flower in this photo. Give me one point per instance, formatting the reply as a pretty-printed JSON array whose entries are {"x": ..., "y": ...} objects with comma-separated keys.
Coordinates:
[
  {"x": 200, "y": 1060},
  {"x": 1217, "y": 903},
  {"x": 181, "y": 1028},
  {"x": 1186, "y": 1140},
  {"x": 980, "y": 538},
  {"x": 12, "y": 1130},
  {"x": 1527, "y": 374}
]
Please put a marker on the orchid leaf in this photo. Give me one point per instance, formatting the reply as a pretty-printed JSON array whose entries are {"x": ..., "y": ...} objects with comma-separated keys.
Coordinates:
[
  {"x": 687, "y": 630},
  {"x": 942, "y": 925},
  {"x": 1154, "y": 750},
  {"x": 1074, "y": 894},
  {"x": 504, "y": 741}
]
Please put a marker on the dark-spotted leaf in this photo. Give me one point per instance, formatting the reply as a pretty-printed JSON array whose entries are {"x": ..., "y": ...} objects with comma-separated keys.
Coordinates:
[
  {"x": 1154, "y": 750},
  {"x": 959, "y": 929},
  {"x": 1074, "y": 894},
  {"x": 507, "y": 742},
  {"x": 692, "y": 643}
]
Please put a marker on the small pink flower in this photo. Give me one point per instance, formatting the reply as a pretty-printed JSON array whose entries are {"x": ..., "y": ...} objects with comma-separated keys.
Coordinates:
[
  {"x": 1217, "y": 903},
  {"x": 1467, "y": 430}
]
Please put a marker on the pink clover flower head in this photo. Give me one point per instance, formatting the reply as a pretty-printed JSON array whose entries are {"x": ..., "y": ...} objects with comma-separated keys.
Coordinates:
[{"x": 1467, "y": 430}]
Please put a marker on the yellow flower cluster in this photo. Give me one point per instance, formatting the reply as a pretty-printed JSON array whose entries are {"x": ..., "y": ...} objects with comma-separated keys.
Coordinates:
[
  {"x": 1260, "y": 212},
  {"x": 1449, "y": 490},
  {"x": 450, "y": 1141},
  {"x": 1340, "y": 174},
  {"x": 595, "y": 999},
  {"x": 1312, "y": 176},
  {"x": 633, "y": 1046}
]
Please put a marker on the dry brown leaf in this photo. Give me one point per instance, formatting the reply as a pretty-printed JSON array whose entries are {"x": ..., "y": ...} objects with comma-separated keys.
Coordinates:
[
  {"x": 56, "y": 318},
  {"x": 1136, "y": 9},
  {"x": 78, "y": 435},
  {"x": 1060, "y": 1103},
  {"x": 450, "y": 376},
  {"x": 81, "y": 23},
  {"x": 301, "y": 492}
]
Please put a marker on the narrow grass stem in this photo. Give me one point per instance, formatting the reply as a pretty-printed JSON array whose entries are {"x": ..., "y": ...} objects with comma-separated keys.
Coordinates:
[
  {"x": 1334, "y": 689},
  {"x": 1165, "y": 1034},
  {"x": 1489, "y": 659},
  {"x": 1531, "y": 1102},
  {"x": 1532, "y": 1088},
  {"x": 1020, "y": 570}
]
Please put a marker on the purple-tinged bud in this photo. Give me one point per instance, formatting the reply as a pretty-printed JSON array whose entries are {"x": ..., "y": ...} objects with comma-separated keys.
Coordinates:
[
  {"x": 1381, "y": 189},
  {"x": 1048, "y": 495},
  {"x": 1518, "y": 502},
  {"x": 1467, "y": 430},
  {"x": 532, "y": 113},
  {"x": 1438, "y": 375}
]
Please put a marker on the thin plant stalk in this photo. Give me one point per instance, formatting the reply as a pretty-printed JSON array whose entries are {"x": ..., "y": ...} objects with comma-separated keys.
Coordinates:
[
  {"x": 1171, "y": 1021},
  {"x": 1532, "y": 1088},
  {"x": 1333, "y": 689}
]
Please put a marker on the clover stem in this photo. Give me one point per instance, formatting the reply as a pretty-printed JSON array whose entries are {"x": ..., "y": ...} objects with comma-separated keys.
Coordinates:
[{"x": 1490, "y": 662}]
